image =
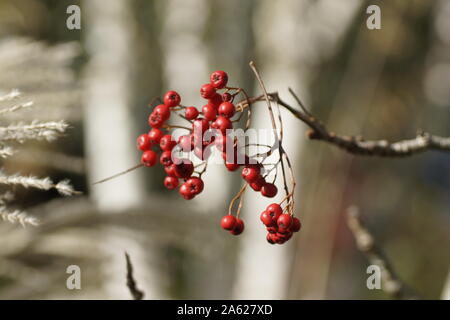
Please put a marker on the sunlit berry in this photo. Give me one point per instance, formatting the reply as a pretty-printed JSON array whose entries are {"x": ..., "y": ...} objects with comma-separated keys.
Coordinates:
[{"x": 172, "y": 99}]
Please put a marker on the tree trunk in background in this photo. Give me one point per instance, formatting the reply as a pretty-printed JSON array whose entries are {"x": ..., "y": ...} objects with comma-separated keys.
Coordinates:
[{"x": 110, "y": 135}]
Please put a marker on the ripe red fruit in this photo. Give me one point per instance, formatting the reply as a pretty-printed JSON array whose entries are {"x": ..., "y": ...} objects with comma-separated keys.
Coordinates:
[
  {"x": 149, "y": 158},
  {"x": 296, "y": 225},
  {"x": 191, "y": 113},
  {"x": 184, "y": 169},
  {"x": 155, "y": 135},
  {"x": 163, "y": 111},
  {"x": 250, "y": 174},
  {"x": 266, "y": 219},
  {"x": 274, "y": 210},
  {"x": 186, "y": 143},
  {"x": 166, "y": 143},
  {"x": 222, "y": 124},
  {"x": 258, "y": 183},
  {"x": 209, "y": 112},
  {"x": 170, "y": 182},
  {"x": 200, "y": 126},
  {"x": 269, "y": 238},
  {"x": 186, "y": 192},
  {"x": 226, "y": 109},
  {"x": 284, "y": 221},
  {"x": 170, "y": 170},
  {"x": 143, "y": 142},
  {"x": 269, "y": 190},
  {"x": 228, "y": 222},
  {"x": 273, "y": 229},
  {"x": 238, "y": 227},
  {"x": 166, "y": 158},
  {"x": 207, "y": 91},
  {"x": 155, "y": 120},
  {"x": 215, "y": 100},
  {"x": 232, "y": 166},
  {"x": 219, "y": 79},
  {"x": 195, "y": 184},
  {"x": 172, "y": 99},
  {"x": 226, "y": 96}
]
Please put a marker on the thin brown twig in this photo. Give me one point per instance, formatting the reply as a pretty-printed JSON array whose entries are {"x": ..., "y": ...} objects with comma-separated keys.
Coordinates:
[
  {"x": 131, "y": 282},
  {"x": 390, "y": 282},
  {"x": 357, "y": 145}
]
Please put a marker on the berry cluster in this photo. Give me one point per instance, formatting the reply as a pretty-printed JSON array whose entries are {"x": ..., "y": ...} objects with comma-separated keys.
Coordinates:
[{"x": 211, "y": 128}]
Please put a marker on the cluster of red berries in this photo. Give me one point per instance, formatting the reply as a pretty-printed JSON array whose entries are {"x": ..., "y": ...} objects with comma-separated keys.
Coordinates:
[
  {"x": 216, "y": 115},
  {"x": 280, "y": 226}
]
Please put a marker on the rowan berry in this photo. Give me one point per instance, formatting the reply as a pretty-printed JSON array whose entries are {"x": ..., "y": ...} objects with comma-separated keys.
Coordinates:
[
  {"x": 226, "y": 97},
  {"x": 166, "y": 143},
  {"x": 269, "y": 190},
  {"x": 284, "y": 221},
  {"x": 200, "y": 126},
  {"x": 266, "y": 219},
  {"x": 163, "y": 111},
  {"x": 250, "y": 173},
  {"x": 195, "y": 184},
  {"x": 184, "y": 169},
  {"x": 226, "y": 109},
  {"x": 149, "y": 158},
  {"x": 172, "y": 99},
  {"x": 186, "y": 192},
  {"x": 170, "y": 182},
  {"x": 219, "y": 79},
  {"x": 155, "y": 135},
  {"x": 143, "y": 142},
  {"x": 232, "y": 166},
  {"x": 272, "y": 229},
  {"x": 215, "y": 100},
  {"x": 296, "y": 225},
  {"x": 209, "y": 112},
  {"x": 228, "y": 222},
  {"x": 155, "y": 120},
  {"x": 258, "y": 183},
  {"x": 269, "y": 238},
  {"x": 186, "y": 143},
  {"x": 166, "y": 158},
  {"x": 275, "y": 211},
  {"x": 191, "y": 113},
  {"x": 238, "y": 227},
  {"x": 207, "y": 91},
  {"x": 222, "y": 124},
  {"x": 170, "y": 170}
]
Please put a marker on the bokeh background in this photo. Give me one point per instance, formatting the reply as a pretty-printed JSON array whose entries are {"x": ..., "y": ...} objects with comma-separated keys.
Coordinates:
[{"x": 382, "y": 84}]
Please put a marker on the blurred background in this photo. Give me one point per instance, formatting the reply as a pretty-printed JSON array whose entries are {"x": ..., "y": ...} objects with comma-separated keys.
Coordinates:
[{"x": 381, "y": 84}]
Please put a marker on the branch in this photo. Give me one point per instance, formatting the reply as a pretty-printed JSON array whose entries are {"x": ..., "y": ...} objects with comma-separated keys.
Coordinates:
[
  {"x": 131, "y": 283},
  {"x": 357, "y": 145},
  {"x": 390, "y": 283}
]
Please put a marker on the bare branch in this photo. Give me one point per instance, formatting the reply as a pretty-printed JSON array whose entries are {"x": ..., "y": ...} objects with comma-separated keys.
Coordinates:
[
  {"x": 357, "y": 145},
  {"x": 131, "y": 282},
  {"x": 390, "y": 283}
]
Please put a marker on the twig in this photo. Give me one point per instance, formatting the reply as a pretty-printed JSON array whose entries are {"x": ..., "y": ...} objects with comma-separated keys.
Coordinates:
[
  {"x": 390, "y": 283},
  {"x": 357, "y": 145},
  {"x": 131, "y": 282}
]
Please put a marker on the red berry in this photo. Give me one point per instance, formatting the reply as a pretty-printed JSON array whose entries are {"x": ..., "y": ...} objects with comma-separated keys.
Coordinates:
[
  {"x": 163, "y": 111},
  {"x": 155, "y": 135},
  {"x": 166, "y": 143},
  {"x": 149, "y": 158},
  {"x": 274, "y": 210},
  {"x": 184, "y": 169},
  {"x": 227, "y": 109},
  {"x": 215, "y": 101},
  {"x": 222, "y": 124},
  {"x": 258, "y": 183},
  {"x": 273, "y": 229},
  {"x": 186, "y": 143},
  {"x": 166, "y": 158},
  {"x": 186, "y": 192},
  {"x": 172, "y": 99},
  {"x": 170, "y": 170},
  {"x": 269, "y": 190},
  {"x": 209, "y": 112},
  {"x": 143, "y": 142},
  {"x": 191, "y": 113},
  {"x": 251, "y": 174},
  {"x": 284, "y": 221},
  {"x": 228, "y": 222},
  {"x": 207, "y": 91},
  {"x": 219, "y": 79},
  {"x": 269, "y": 238},
  {"x": 170, "y": 182},
  {"x": 155, "y": 120},
  {"x": 226, "y": 96},
  {"x": 266, "y": 219},
  {"x": 296, "y": 225},
  {"x": 238, "y": 227},
  {"x": 200, "y": 126},
  {"x": 232, "y": 166},
  {"x": 195, "y": 185}
]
